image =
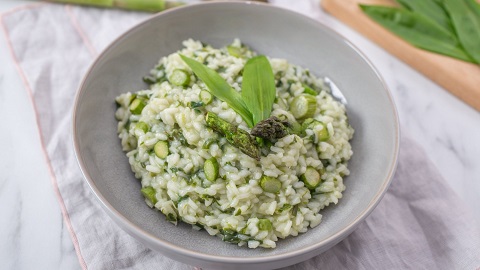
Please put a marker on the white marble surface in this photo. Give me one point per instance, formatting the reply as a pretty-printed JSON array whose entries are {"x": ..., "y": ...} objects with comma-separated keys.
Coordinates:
[{"x": 32, "y": 231}]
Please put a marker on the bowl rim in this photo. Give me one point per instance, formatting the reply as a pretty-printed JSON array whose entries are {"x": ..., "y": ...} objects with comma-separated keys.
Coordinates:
[{"x": 117, "y": 217}]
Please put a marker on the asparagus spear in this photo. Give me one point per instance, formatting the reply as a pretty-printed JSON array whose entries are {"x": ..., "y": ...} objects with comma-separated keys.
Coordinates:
[
  {"x": 237, "y": 137},
  {"x": 271, "y": 129},
  {"x": 143, "y": 5}
]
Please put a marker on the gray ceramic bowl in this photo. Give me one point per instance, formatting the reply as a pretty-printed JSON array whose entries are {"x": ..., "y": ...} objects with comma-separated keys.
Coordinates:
[{"x": 269, "y": 30}]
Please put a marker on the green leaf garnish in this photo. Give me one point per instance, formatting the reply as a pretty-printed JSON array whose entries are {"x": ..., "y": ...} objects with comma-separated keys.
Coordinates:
[
  {"x": 220, "y": 88},
  {"x": 258, "y": 87}
]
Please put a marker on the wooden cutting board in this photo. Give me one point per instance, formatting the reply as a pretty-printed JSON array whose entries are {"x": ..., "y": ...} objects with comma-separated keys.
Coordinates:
[{"x": 460, "y": 78}]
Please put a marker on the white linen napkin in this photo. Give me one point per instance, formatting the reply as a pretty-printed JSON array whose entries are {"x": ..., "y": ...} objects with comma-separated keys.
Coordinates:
[{"x": 419, "y": 224}]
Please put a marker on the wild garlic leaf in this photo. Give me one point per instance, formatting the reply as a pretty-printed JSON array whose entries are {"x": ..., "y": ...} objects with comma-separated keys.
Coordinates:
[
  {"x": 431, "y": 10},
  {"x": 258, "y": 87},
  {"x": 467, "y": 25},
  {"x": 417, "y": 30},
  {"x": 220, "y": 88}
]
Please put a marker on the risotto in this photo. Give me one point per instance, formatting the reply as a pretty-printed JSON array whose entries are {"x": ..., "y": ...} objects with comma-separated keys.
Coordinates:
[{"x": 193, "y": 172}]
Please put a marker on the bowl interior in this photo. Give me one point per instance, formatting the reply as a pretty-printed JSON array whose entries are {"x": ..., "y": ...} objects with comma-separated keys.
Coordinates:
[{"x": 271, "y": 31}]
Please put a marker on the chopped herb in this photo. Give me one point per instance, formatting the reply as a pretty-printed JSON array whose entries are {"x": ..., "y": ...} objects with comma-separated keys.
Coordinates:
[
  {"x": 182, "y": 198},
  {"x": 149, "y": 80},
  {"x": 172, "y": 218},
  {"x": 285, "y": 207},
  {"x": 221, "y": 69},
  {"x": 208, "y": 142},
  {"x": 196, "y": 104},
  {"x": 230, "y": 236},
  {"x": 229, "y": 210}
]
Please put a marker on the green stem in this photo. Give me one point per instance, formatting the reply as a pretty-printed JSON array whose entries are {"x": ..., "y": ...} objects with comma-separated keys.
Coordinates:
[
  {"x": 234, "y": 135},
  {"x": 142, "y": 5}
]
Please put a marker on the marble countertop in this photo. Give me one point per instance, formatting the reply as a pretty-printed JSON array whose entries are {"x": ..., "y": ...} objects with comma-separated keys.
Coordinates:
[{"x": 32, "y": 231}]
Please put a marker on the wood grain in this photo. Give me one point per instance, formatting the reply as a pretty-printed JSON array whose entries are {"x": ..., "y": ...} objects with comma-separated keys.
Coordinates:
[{"x": 460, "y": 78}]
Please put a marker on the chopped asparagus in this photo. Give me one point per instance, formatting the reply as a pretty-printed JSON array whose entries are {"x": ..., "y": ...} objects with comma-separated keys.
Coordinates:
[
  {"x": 210, "y": 167},
  {"x": 271, "y": 128},
  {"x": 264, "y": 224},
  {"x": 161, "y": 149},
  {"x": 137, "y": 105},
  {"x": 311, "y": 178},
  {"x": 142, "y": 126},
  {"x": 235, "y": 51},
  {"x": 234, "y": 135},
  {"x": 308, "y": 90},
  {"x": 206, "y": 97},
  {"x": 149, "y": 193},
  {"x": 179, "y": 77},
  {"x": 303, "y": 106},
  {"x": 321, "y": 134},
  {"x": 270, "y": 184}
]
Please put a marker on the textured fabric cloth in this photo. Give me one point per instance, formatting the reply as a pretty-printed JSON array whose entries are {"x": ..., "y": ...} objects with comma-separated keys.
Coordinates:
[{"x": 419, "y": 224}]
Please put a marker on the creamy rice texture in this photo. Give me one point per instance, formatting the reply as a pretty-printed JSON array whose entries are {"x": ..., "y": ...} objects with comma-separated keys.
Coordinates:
[{"x": 233, "y": 205}]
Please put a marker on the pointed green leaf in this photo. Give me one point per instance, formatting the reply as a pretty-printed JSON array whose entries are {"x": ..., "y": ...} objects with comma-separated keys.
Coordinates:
[
  {"x": 417, "y": 30},
  {"x": 258, "y": 87},
  {"x": 475, "y": 6},
  {"x": 430, "y": 9},
  {"x": 467, "y": 25},
  {"x": 218, "y": 87}
]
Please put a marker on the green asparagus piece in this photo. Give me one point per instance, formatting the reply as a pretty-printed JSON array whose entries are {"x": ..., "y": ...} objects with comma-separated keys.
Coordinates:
[
  {"x": 179, "y": 77},
  {"x": 142, "y": 5},
  {"x": 264, "y": 224},
  {"x": 137, "y": 105},
  {"x": 308, "y": 90},
  {"x": 210, "y": 167},
  {"x": 206, "y": 97},
  {"x": 234, "y": 135},
  {"x": 270, "y": 184},
  {"x": 149, "y": 193},
  {"x": 142, "y": 126},
  {"x": 322, "y": 135},
  {"x": 161, "y": 149},
  {"x": 311, "y": 178},
  {"x": 303, "y": 106}
]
